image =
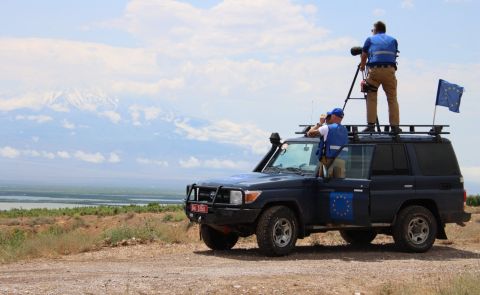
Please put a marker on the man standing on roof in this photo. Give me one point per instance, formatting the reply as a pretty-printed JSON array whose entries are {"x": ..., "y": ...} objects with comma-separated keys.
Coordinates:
[
  {"x": 332, "y": 136},
  {"x": 381, "y": 51}
]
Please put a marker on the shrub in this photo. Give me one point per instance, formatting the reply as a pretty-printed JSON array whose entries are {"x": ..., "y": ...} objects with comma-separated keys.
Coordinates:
[
  {"x": 473, "y": 201},
  {"x": 97, "y": 210}
]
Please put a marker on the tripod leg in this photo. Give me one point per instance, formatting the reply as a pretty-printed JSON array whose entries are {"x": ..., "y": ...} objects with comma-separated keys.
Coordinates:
[{"x": 351, "y": 86}]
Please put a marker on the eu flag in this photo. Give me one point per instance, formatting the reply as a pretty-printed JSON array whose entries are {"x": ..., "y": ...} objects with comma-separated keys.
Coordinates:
[
  {"x": 449, "y": 95},
  {"x": 341, "y": 206}
]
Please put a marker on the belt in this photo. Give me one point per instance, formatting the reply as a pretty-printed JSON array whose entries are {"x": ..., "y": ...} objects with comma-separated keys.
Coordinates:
[{"x": 381, "y": 66}]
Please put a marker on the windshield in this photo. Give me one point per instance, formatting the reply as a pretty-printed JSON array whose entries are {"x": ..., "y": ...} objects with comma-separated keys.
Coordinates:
[{"x": 295, "y": 157}]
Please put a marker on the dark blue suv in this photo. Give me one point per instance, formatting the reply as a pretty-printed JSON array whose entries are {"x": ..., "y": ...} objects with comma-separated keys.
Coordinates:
[{"x": 406, "y": 185}]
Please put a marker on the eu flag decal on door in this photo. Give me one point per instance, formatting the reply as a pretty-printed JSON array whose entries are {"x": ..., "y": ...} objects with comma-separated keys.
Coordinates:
[{"x": 341, "y": 206}]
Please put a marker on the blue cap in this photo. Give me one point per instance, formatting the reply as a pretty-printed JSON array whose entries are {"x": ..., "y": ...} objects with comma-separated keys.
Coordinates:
[{"x": 337, "y": 112}]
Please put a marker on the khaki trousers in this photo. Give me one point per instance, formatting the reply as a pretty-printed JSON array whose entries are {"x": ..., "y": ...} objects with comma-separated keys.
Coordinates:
[{"x": 386, "y": 78}]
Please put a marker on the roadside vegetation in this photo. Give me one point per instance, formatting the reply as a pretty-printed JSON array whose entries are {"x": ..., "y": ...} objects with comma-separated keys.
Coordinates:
[
  {"x": 473, "y": 201},
  {"x": 35, "y": 233},
  {"x": 462, "y": 284},
  {"x": 97, "y": 210}
]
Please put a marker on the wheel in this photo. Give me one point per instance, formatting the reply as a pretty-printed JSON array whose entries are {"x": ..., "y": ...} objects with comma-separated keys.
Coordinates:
[
  {"x": 277, "y": 231},
  {"x": 216, "y": 240},
  {"x": 358, "y": 237},
  {"x": 415, "y": 229}
]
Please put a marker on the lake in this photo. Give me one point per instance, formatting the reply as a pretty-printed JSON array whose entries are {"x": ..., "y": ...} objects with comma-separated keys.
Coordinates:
[{"x": 61, "y": 197}]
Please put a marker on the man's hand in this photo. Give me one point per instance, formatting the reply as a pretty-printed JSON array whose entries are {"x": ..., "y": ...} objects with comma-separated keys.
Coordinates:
[{"x": 362, "y": 68}]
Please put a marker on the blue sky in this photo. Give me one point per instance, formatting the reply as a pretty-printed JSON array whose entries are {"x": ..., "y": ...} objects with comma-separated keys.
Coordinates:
[{"x": 168, "y": 92}]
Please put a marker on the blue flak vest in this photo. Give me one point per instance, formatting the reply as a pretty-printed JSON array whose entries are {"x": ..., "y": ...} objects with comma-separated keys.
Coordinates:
[
  {"x": 336, "y": 139},
  {"x": 383, "y": 49}
]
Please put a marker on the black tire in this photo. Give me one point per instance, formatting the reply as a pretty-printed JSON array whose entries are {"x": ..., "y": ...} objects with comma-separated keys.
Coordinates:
[
  {"x": 216, "y": 240},
  {"x": 358, "y": 237},
  {"x": 415, "y": 229},
  {"x": 277, "y": 231}
]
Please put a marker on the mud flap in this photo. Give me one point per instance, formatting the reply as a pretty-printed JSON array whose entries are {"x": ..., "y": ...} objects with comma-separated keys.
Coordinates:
[{"x": 441, "y": 234}]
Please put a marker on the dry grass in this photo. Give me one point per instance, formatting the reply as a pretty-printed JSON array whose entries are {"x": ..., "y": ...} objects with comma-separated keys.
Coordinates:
[
  {"x": 463, "y": 284},
  {"x": 53, "y": 236}
]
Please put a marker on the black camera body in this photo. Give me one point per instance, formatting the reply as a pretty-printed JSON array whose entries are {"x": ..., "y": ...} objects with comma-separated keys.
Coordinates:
[{"x": 356, "y": 50}]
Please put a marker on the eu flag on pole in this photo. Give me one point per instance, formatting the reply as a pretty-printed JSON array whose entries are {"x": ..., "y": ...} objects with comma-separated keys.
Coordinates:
[{"x": 449, "y": 95}]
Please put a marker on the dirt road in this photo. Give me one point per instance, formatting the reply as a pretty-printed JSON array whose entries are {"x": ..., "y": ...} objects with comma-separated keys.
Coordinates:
[{"x": 193, "y": 269}]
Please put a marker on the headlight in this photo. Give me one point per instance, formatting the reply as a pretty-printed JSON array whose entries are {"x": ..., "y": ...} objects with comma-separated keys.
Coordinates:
[
  {"x": 235, "y": 197},
  {"x": 250, "y": 196}
]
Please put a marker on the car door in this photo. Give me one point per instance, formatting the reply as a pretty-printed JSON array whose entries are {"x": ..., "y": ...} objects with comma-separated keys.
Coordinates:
[
  {"x": 344, "y": 195},
  {"x": 392, "y": 181}
]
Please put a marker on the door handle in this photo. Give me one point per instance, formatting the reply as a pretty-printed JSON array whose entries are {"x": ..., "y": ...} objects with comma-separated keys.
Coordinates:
[
  {"x": 358, "y": 190},
  {"x": 408, "y": 185}
]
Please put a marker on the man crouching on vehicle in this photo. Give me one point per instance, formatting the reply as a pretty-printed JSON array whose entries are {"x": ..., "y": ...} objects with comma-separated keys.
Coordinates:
[{"x": 333, "y": 135}]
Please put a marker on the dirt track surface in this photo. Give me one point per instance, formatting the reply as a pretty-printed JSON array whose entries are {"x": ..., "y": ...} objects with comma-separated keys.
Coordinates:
[{"x": 193, "y": 269}]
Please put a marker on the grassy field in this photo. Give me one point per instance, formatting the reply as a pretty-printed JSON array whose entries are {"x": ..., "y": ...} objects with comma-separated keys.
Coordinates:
[{"x": 36, "y": 233}]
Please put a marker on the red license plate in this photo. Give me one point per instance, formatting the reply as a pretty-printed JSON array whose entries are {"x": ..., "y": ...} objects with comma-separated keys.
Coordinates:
[{"x": 199, "y": 208}]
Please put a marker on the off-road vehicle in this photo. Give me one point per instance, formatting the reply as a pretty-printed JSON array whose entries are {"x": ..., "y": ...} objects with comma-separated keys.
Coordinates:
[{"x": 406, "y": 185}]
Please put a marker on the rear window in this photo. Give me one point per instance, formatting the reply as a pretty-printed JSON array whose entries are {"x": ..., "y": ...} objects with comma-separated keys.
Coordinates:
[
  {"x": 436, "y": 159},
  {"x": 390, "y": 159}
]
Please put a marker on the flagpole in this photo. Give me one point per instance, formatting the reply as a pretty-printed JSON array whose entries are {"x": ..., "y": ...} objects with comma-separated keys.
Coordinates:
[{"x": 434, "y": 114}]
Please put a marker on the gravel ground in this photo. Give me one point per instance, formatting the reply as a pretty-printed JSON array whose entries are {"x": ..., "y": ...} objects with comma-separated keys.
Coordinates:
[{"x": 193, "y": 269}]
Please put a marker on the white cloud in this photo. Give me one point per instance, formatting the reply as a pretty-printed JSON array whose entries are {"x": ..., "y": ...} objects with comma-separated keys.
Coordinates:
[
  {"x": 245, "y": 135},
  {"x": 9, "y": 152},
  {"x": 407, "y": 4},
  {"x": 89, "y": 157},
  {"x": 112, "y": 116},
  {"x": 379, "y": 12},
  {"x": 181, "y": 30},
  {"x": 114, "y": 158},
  {"x": 67, "y": 125},
  {"x": 149, "y": 113},
  {"x": 36, "y": 154},
  {"x": 226, "y": 164},
  {"x": 145, "y": 88},
  {"x": 36, "y": 118},
  {"x": 63, "y": 154},
  {"x": 214, "y": 163},
  {"x": 146, "y": 161},
  {"x": 191, "y": 162}
]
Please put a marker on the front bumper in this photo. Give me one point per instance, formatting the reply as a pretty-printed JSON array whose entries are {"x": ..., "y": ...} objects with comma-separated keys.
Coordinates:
[
  {"x": 224, "y": 216},
  {"x": 219, "y": 213}
]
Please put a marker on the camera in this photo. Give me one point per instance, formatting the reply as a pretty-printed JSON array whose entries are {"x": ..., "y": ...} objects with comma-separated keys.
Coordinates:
[{"x": 356, "y": 50}]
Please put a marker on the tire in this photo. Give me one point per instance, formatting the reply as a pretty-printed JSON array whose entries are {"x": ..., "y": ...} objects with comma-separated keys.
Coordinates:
[
  {"x": 358, "y": 237},
  {"x": 216, "y": 240},
  {"x": 277, "y": 231},
  {"x": 415, "y": 229}
]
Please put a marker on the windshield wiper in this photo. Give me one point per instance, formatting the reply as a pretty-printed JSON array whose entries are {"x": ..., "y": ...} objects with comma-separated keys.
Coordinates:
[
  {"x": 295, "y": 169},
  {"x": 274, "y": 169}
]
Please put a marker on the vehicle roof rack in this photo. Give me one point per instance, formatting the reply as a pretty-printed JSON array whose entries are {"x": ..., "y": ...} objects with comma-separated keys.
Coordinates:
[{"x": 353, "y": 130}]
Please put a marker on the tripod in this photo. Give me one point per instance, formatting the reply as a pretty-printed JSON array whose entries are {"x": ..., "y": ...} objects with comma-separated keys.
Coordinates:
[{"x": 377, "y": 124}]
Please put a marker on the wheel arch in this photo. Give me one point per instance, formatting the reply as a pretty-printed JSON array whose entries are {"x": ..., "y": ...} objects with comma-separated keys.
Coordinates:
[
  {"x": 432, "y": 207},
  {"x": 292, "y": 205}
]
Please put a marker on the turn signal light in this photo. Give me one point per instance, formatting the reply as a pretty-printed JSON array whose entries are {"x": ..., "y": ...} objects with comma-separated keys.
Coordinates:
[{"x": 251, "y": 196}]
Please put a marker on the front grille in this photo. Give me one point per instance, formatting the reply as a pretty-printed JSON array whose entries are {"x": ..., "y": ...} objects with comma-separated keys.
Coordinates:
[{"x": 207, "y": 195}]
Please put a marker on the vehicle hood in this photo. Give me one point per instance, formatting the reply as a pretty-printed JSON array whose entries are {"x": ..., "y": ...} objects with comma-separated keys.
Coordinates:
[{"x": 257, "y": 180}]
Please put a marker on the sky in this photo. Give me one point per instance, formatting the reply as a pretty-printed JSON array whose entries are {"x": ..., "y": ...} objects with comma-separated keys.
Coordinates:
[{"x": 166, "y": 93}]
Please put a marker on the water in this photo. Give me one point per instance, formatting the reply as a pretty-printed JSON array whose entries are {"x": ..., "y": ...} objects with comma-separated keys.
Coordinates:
[{"x": 62, "y": 197}]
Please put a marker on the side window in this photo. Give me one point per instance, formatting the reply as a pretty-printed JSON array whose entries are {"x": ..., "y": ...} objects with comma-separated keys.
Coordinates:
[
  {"x": 352, "y": 162},
  {"x": 390, "y": 159},
  {"x": 436, "y": 159}
]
